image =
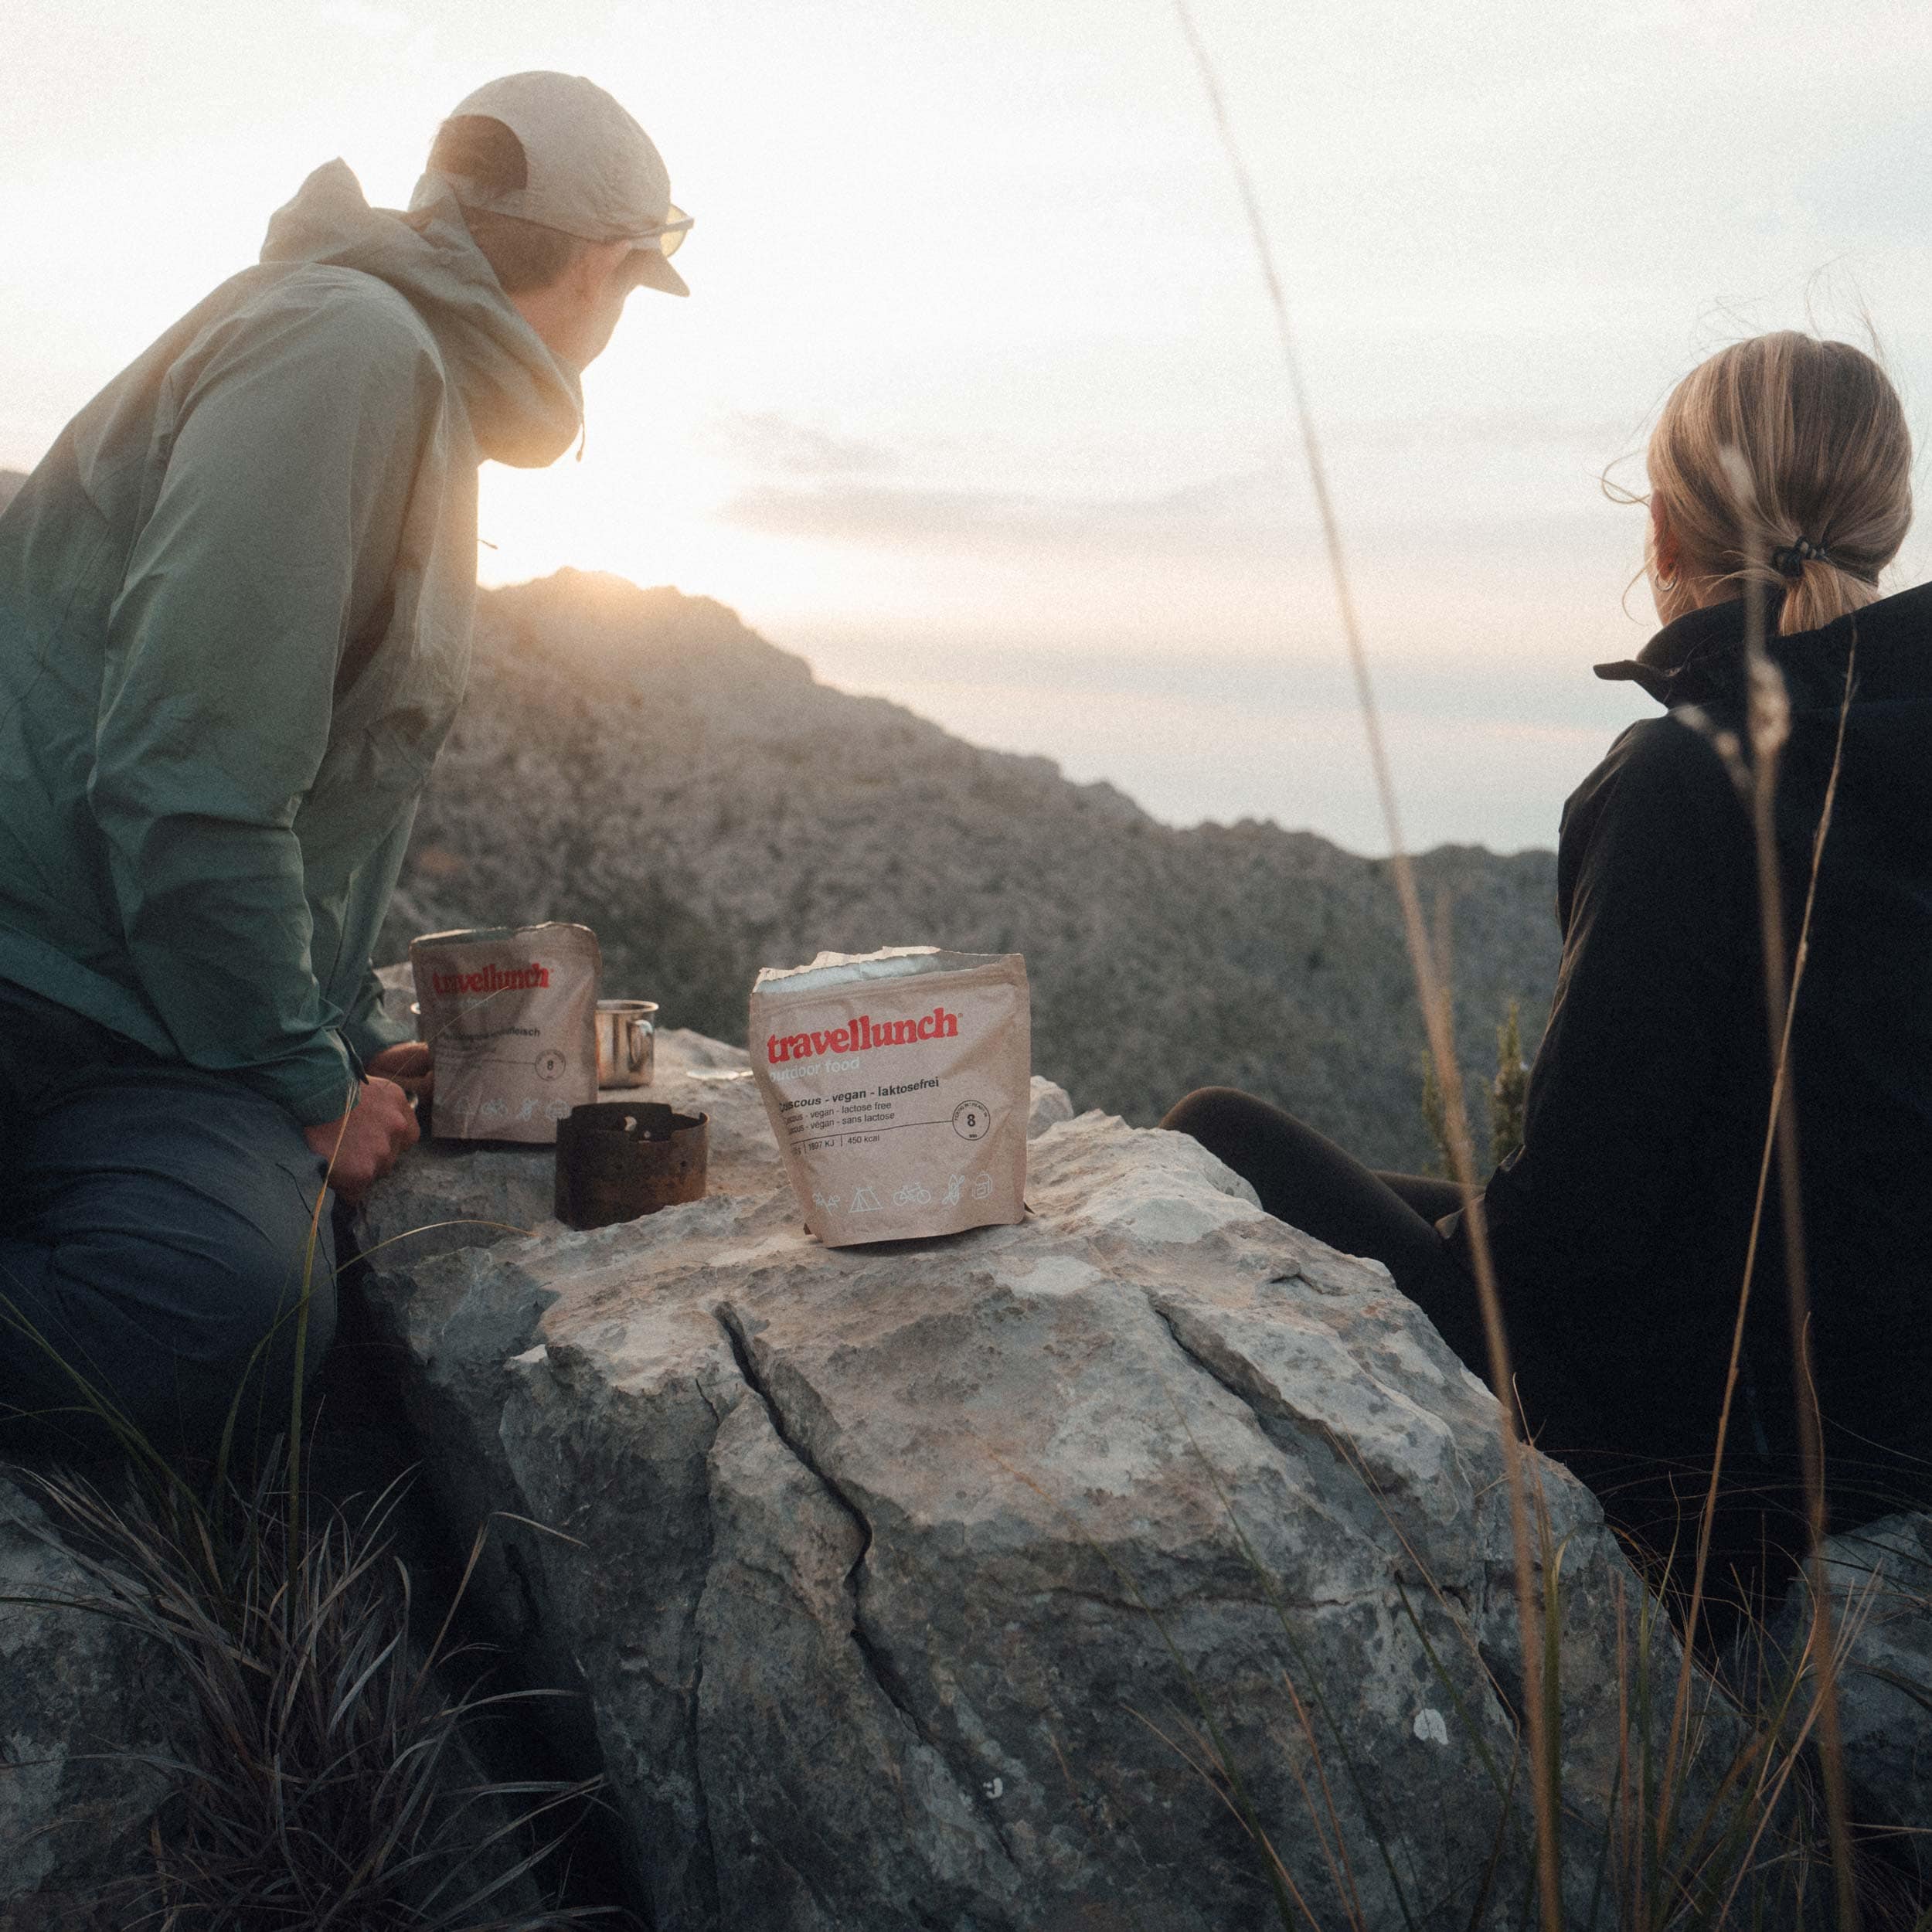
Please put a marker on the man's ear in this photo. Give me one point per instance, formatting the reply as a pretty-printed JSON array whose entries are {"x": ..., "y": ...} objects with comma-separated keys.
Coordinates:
[{"x": 595, "y": 266}]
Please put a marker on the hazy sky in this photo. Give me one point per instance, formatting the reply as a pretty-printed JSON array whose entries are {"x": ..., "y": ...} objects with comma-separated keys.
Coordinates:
[{"x": 976, "y": 403}]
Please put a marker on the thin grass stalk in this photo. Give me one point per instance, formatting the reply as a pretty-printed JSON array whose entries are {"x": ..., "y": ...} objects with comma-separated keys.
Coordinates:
[
  {"x": 1434, "y": 1009},
  {"x": 1622, "y": 1810},
  {"x": 1505, "y": 1788},
  {"x": 429, "y": 1227},
  {"x": 1773, "y": 1790},
  {"x": 1301, "y": 1657},
  {"x": 1344, "y": 1876},
  {"x": 1350, "y": 1907},
  {"x": 1229, "y": 1789},
  {"x": 294, "y": 1515},
  {"x": 1779, "y": 1083},
  {"x": 1472, "y": 1729}
]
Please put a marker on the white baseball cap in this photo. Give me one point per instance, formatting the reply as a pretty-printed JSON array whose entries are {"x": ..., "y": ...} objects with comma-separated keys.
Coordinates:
[{"x": 593, "y": 171}]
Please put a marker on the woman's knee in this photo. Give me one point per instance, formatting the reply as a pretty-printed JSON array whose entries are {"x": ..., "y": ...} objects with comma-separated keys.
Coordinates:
[{"x": 1212, "y": 1114}]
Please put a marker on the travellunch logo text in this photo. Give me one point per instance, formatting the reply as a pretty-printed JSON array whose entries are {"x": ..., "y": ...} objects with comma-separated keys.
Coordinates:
[
  {"x": 491, "y": 979},
  {"x": 861, "y": 1035}
]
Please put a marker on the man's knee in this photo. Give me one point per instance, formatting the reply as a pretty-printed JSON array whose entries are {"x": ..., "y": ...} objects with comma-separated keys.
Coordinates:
[
  {"x": 232, "y": 1313},
  {"x": 179, "y": 1261}
]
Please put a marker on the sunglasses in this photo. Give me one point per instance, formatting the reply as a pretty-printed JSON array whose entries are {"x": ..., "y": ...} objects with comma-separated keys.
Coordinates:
[{"x": 670, "y": 232}]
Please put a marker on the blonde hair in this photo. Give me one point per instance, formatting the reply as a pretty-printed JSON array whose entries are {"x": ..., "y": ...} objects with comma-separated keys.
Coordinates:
[{"x": 1822, "y": 438}]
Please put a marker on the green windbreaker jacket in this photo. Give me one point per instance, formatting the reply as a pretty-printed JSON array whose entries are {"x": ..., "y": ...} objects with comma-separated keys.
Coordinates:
[{"x": 234, "y": 605}]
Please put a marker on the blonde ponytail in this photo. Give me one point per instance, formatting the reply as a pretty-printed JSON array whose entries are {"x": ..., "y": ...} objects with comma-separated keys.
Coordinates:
[{"x": 1823, "y": 439}]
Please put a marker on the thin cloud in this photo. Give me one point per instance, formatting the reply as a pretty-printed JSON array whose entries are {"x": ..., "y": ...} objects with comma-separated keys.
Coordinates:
[
  {"x": 1239, "y": 508},
  {"x": 1508, "y": 428},
  {"x": 769, "y": 441}
]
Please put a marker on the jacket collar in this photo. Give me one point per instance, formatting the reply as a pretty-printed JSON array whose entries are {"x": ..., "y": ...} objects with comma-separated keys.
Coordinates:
[
  {"x": 1700, "y": 659},
  {"x": 1694, "y": 660}
]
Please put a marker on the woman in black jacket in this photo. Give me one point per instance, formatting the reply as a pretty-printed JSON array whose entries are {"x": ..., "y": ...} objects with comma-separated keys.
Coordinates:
[{"x": 1621, "y": 1228}]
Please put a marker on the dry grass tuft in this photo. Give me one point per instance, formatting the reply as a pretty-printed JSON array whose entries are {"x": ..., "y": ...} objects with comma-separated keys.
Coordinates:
[{"x": 324, "y": 1777}]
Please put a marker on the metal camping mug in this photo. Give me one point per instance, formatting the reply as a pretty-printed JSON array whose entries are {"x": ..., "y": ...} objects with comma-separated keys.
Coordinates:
[
  {"x": 620, "y": 1159},
  {"x": 627, "y": 1035}
]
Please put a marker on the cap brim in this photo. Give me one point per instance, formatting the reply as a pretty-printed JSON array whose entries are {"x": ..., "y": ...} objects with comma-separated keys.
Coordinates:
[{"x": 650, "y": 269}]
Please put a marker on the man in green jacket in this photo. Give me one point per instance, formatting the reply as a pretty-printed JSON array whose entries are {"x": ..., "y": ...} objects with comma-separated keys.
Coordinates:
[{"x": 235, "y": 606}]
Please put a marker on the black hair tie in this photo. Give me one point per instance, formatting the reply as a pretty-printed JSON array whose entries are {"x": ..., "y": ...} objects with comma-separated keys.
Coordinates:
[{"x": 1790, "y": 561}]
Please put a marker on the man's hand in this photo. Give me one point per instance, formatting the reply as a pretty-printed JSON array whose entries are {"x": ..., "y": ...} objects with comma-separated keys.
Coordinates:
[
  {"x": 365, "y": 1143},
  {"x": 409, "y": 1067}
]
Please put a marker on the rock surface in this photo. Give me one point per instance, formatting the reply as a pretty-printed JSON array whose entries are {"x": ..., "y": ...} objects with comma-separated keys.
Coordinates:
[
  {"x": 943, "y": 1583},
  {"x": 76, "y": 1693},
  {"x": 1881, "y": 1580}
]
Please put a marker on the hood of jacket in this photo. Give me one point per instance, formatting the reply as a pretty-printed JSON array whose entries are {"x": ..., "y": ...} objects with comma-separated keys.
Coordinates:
[{"x": 525, "y": 406}]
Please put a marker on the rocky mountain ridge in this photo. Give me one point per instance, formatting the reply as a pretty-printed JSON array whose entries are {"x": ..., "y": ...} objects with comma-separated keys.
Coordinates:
[{"x": 640, "y": 760}]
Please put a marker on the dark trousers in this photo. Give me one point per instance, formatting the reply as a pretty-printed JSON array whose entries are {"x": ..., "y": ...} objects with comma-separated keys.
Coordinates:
[{"x": 154, "y": 1239}]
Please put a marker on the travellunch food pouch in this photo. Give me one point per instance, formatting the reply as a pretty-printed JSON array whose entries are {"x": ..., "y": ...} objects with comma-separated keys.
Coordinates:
[
  {"x": 898, "y": 1084},
  {"x": 510, "y": 1014}
]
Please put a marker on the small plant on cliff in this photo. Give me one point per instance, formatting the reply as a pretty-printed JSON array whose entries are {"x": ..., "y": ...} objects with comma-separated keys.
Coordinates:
[
  {"x": 1510, "y": 1093},
  {"x": 1435, "y": 1117}
]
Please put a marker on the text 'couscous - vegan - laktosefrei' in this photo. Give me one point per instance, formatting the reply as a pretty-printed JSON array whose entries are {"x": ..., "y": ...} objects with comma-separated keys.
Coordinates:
[{"x": 898, "y": 1084}]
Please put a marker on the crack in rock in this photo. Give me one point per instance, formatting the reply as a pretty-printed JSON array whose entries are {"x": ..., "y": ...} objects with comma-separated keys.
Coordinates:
[
  {"x": 707, "y": 1853},
  {"x": 1274, "y": 1427},
  {"x": 1268, "y": 1424},
  {"x": 879, "y": 1666}
]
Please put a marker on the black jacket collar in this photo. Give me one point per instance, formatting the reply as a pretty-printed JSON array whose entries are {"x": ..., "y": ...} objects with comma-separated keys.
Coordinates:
[{"x": 1700, "y": 659}]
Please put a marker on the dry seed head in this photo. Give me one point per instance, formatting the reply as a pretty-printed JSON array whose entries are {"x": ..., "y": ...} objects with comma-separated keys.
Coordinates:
[{"x": 1771, "y": 710}]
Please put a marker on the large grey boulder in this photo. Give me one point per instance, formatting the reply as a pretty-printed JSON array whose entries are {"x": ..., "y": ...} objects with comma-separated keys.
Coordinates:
[
  {"x": 984, "y": 1583},
  {"x": 81, "y": 1698}
]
